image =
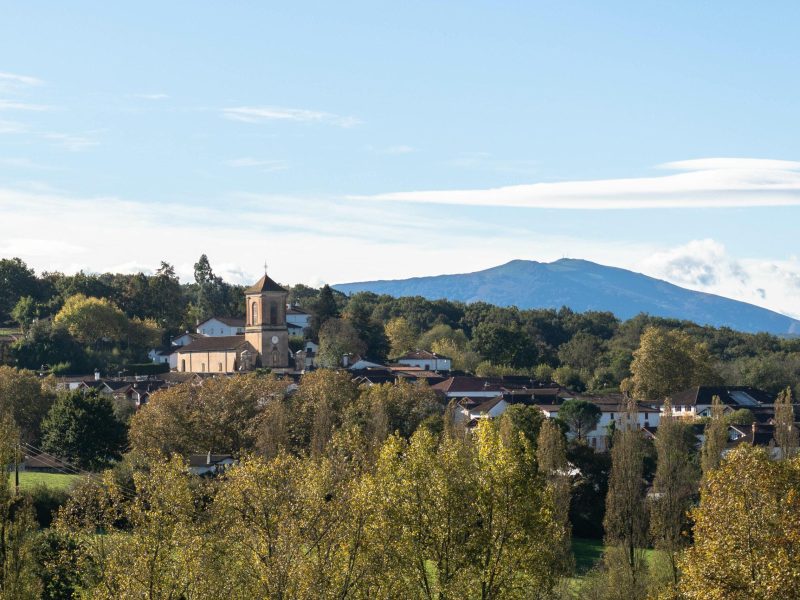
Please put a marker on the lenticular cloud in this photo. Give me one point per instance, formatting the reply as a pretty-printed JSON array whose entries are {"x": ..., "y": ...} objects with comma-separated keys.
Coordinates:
[{"x": 700, "y": 183}]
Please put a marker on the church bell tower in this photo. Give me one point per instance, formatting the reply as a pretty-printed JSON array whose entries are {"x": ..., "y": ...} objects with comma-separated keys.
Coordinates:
[{"x": 265, "y": 326}]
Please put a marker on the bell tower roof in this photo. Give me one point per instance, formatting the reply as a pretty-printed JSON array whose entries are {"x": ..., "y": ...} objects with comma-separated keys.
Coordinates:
[{"x": 265, "y": 284}]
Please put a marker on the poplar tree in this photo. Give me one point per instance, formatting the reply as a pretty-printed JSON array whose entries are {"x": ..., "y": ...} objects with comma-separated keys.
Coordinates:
[
  {"x": 785, "y": 430},
  {"x": 716, "y": 437},
  {"x": 674, "y": 486},
  {"x": 626, "y": 516},
  {"x": 551, "y": 458}
]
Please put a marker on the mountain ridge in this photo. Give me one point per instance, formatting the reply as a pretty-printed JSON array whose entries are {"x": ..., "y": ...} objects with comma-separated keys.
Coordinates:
[{"x": 584, "y": 285}]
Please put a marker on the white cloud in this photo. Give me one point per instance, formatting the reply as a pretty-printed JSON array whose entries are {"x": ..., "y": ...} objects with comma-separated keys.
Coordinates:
[
  {"x": 152, "y": 96},
  {"x": 258, "y": 114},
  {"x": 326, "y": 239},
  {"x": 705, "y": 265},
  {"x": 11, "y": 105},
  {"x": 304, "y": 239},
  {"x": 11, "y": 127},
  {"x": 263, "y": 165},
  {"x": 13, "y": 80},
  {"x": 26, "y": 163},
  {"x": 399, "y": 149},
  {"x": 703, "y": 183},
  {"x": 73, "y": 143},
  {"x": 484, "y": 161}
]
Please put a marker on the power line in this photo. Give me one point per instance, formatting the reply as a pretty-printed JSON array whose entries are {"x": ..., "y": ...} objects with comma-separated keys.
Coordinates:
[{"x": 68, "y": 468}]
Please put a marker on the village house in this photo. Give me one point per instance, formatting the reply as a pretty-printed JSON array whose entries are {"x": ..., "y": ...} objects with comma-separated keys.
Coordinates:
[
  {"x": 221, "y": 327},
  {"x": 210, "y": 464},
  {"x": 696, "y": 401},
  {"x": 430, "y": 361}
]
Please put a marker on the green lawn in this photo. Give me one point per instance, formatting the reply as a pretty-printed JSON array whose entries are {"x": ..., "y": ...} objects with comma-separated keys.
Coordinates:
[
  {"x": 53, "y": 480},
  {"x": 587, "y": 553}
]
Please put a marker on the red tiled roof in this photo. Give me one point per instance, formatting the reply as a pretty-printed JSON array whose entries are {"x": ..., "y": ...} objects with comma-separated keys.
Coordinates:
[
  {"x": 213, "y": 344},
  {"x": 466, "y": 384}
]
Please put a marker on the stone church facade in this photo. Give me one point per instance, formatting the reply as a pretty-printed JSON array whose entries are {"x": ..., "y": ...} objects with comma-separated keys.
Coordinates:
[{"x": 264, "y": 344}]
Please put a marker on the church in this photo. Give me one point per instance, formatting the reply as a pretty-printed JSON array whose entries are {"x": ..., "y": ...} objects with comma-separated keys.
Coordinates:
[{"x": 264, "y": 344}]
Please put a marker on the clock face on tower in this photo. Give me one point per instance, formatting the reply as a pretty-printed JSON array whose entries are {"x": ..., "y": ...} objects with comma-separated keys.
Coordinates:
[{"x": 274, "y": 339}]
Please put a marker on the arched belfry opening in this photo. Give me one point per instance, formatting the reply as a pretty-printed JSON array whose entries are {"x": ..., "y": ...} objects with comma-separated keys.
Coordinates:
[{"x": 273, "y": 313}]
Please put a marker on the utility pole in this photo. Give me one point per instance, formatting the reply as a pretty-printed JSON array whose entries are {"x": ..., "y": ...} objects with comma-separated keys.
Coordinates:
[{"x": 16, "y": 470}]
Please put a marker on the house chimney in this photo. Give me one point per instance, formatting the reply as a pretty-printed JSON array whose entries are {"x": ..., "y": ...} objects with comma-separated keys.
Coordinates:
[
  {"x": 97, "y": 375},
  {"x": 754, "y": 428},
  {"x": 208, "y": 458}
]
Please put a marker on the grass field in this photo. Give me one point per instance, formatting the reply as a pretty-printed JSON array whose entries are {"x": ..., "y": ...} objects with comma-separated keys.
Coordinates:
[
  {"x": 53, "y": 480},
  {"x": 587, "y": 553}
]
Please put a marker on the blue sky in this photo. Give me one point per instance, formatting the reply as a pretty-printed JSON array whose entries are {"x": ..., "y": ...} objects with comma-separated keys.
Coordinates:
[{"x": 358, "y": 140}]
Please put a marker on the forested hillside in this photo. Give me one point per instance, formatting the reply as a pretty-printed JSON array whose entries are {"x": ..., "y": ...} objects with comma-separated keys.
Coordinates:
[
  {"x": 583, "y": 286},
  {"x": 68, "y": 330}
]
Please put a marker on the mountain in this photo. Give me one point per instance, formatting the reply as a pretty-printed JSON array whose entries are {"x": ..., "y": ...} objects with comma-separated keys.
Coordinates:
[{"x": 583, "y": 285}]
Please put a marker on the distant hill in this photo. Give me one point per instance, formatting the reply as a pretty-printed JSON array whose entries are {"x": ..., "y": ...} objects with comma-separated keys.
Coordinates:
[{"x": 583, "y": 285}]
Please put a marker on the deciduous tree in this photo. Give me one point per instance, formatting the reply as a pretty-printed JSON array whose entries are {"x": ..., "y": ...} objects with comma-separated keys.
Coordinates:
[
  {"x": 338, "y": 338},
  {"x": 26, "y": 398},
  {"x": 81, "y": 427},
  {"x": 16, "y": 281},
  {"x": 746, "y": 532},
  {"x": 669, "y": 361},
  {"x": 674, "y": 488},
  {"x": 625, "y": 520},
  {"x": 716, "y": 437},
  {"x": 402, "y": 336},
  {"x": 223, "y": 415},
  {"x": 785, "y": 428}
]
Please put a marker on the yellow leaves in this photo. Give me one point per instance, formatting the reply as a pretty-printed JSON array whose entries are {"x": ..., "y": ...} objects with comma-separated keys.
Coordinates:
[
  {"x": 746, "y": 531},
  {"x": 91, "y": 319},
  {"x": 402, "y": 336},
  {"x": 668, "y": 361}
]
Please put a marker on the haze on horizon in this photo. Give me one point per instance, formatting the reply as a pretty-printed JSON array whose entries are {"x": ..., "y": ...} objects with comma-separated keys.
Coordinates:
[{"x": 360, "y": 140}]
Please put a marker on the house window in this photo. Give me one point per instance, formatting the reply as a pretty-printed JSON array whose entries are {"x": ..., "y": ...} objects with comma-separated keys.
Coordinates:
[
  {"x": 254, "y": 315},
  {"x": 273, "y": 313},
  {"x": 183, "y": 365}
]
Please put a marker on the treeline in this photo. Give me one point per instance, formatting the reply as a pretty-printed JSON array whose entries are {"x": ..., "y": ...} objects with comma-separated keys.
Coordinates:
[{"x": 584, "y": 351}]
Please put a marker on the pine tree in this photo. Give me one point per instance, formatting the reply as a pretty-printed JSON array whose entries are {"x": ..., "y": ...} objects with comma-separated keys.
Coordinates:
[{"x": 323, "y": 309}]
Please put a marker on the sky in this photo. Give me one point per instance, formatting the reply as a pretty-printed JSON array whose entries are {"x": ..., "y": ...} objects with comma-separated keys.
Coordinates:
[{"x": 348, "y": 141}]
